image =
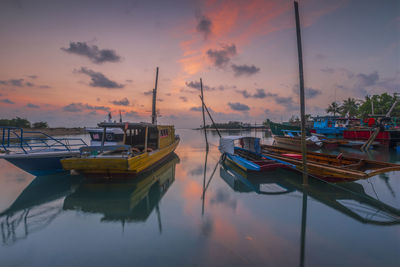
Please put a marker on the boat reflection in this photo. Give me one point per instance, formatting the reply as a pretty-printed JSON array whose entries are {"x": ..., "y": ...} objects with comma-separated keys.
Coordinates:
[
  {"x": 36, "y": 207},
  {"x": 128, "y": 200},
  {"x": 348, "y": 198}
]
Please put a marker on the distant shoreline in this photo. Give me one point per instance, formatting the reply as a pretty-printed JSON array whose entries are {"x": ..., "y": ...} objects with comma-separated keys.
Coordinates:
[{"x": 56, "y": 131}]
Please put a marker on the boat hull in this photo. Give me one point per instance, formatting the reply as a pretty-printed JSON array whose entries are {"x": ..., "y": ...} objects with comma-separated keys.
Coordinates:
[
  {"x": 386, "y": 138},
  {"x": 39, "y": 163},
  {"x": 117, "y": 165},
  {"x": 330, "y": 167}
]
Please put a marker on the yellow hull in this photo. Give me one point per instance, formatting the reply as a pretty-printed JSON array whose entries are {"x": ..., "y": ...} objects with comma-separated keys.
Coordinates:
[{"x": 112, "y": 165}]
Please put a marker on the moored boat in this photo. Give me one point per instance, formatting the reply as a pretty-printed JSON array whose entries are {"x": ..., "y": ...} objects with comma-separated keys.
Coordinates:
[
  {"x": 244, "y": 152},
  {"x": 293, "y": 138},
  {"x": 36, "y": 152},
  {"x": 143, "y": 145},
  {"x": 330, "y": 167},
  {"x": 138, "y": 148}
]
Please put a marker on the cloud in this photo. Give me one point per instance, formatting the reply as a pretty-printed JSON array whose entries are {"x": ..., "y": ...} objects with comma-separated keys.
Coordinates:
[
  {"x": 12, "y": 82},
  {"x": 78, "y": 107},
  {"x": 238, "y": 106},
  {"x": 196, "y": 85},
  {"x": 260, "y": 93},
  {"x": 150, "y": 92},
  {"x": 309, "y": 92},
  {"x": 284, "y": 100},
  {"x": 30, "y": 105},
  {"x": 133, "y": 114},
  {"x": 204, "y": 26},
  {"x": 122, "y": 102},
  {"x": 44, "y": 86},
  {"x": 246, "y": 70},
  {"x": 183, "y": 98},
  {"x": 195, "y": 109},
  {"x": 33, "y": 76},
  {"x": 360, "y": 84},
  {"x": 221, "y": 57},
  {"x": 7, "y": 101},
  {"x": 328, "y": 70},
  {"x": 99, "y": 80},
  {"x": 29, "y": 84},
  {"x": 365, "y": 80},
  {"x": 95, "y": 54}
]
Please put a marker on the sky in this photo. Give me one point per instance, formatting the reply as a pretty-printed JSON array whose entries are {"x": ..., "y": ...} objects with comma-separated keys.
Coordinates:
[{"x": 70, "y": 63}]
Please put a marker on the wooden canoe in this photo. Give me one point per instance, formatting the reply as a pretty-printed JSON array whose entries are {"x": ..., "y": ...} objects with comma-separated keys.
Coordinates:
[
  {"x": 330, "y": 167},
  {"x": 296, "y": 141},
  {"x": 251, "y": 162}
]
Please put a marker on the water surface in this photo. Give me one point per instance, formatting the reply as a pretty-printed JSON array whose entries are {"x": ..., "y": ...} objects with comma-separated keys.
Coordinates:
[{"x": 166, "y": 217}]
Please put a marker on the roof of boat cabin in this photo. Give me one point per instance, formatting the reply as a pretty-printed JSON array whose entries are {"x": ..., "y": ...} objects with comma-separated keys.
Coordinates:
[{"x": 129, "y": 125}]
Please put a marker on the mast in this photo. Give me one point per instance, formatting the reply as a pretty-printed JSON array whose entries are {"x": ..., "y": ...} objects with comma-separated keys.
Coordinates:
[
  {"x": 301, "y": 84},
  {"x": 153, "y": 111}
]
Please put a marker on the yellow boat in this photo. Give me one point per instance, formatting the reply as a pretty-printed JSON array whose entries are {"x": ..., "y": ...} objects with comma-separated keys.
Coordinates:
[{"x": 142, "y": 145}]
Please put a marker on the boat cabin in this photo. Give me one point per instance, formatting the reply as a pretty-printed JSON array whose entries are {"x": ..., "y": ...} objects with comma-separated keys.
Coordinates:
[
  {"x": 227, "y": 144},
  {"x": 140, "y": 137}
]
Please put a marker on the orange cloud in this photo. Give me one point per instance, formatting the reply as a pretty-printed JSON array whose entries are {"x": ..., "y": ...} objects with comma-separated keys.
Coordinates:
[{"x": 238, "y": 22}]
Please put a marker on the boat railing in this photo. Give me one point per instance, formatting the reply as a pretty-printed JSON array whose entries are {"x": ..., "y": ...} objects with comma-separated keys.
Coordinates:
[{"x": 15, "y": 139}]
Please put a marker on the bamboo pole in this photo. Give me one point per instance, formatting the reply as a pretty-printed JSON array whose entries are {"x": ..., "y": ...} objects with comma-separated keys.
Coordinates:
[
  {"x": 153, "y": 111},
  {"x": 209, "y": 115},
  {"x": 202, "y": 109},
  {"x": 301, "y": 84}
]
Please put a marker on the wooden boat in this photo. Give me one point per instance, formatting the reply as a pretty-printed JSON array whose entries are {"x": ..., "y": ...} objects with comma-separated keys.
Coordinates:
[
  {"x": 292, "y": 138},
  {"x": 143, "y": 145},
  {"x": 244, "y": 153},
  {"x": 330, "y": 167}
]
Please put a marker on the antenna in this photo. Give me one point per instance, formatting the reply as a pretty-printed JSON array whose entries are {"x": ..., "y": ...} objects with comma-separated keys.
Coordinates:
[{"x": 154, "y": 113}]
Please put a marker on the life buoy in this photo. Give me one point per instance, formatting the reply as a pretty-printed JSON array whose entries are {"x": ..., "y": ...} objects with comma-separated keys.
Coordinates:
[{"x": 109, "y": 137}]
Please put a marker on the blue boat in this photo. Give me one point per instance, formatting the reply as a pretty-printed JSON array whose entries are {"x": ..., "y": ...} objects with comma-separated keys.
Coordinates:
[
  {"x": 245, "y": 152},
  {"x": 330, "y": 126},
  {"x": 36, "y": 152}
]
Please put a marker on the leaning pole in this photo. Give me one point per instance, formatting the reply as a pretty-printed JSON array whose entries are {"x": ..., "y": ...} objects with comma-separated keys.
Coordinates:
[{"x": 302, "y": 107}]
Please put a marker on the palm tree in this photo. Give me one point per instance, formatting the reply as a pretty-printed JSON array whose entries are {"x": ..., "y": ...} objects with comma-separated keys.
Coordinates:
[
  {"x": 350, "y": 107},
  {"x": 333, "y": 108}
]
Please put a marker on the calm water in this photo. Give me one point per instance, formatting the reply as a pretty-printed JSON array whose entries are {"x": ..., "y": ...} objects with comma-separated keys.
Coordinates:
[{"x": 163, "y": 218}]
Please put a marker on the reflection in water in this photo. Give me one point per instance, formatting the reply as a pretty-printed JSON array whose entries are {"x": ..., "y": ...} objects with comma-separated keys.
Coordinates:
[
  {"x": 36, "y": 207},
  {"x": 129, "y": 200},
  {"x": 348, "y": 198}
]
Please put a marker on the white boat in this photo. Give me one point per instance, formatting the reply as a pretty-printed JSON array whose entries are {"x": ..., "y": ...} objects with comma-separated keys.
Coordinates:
[{"x": 36, "y": 152}]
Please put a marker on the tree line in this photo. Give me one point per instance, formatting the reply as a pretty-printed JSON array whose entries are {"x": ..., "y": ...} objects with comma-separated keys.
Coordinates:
[
  {"x": 23, "y": 123},
  {"x": 375, "y": 104}
]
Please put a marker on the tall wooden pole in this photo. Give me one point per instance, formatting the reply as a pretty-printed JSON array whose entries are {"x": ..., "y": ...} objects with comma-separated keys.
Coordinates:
[
  {"x": 204, "y": 117},
  {"x": 153, "y": 111},
  {"x": 302, "y": 107}
]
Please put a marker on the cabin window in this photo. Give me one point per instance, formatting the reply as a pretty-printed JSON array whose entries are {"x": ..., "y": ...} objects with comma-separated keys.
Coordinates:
[{"x": 163, "y": 133}]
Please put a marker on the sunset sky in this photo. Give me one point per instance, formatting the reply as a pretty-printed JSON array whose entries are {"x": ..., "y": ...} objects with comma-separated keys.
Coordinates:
[{"x": 71, "y": 62}]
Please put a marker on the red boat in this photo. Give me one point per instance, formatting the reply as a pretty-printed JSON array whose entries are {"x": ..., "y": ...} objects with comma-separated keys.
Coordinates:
[{"x": 386, "y": 137}]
